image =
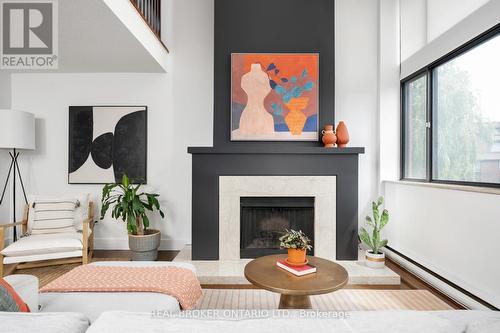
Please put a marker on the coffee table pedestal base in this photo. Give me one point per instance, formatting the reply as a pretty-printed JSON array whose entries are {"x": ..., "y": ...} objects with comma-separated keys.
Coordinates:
[{"x": 295, "y": 302}]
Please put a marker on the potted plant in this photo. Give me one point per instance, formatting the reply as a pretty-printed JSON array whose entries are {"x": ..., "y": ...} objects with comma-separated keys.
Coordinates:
[
  {"x": 297, "y": 244},
  {"x": 374, "y": 257},
  {"x": 131, "y": 207}
]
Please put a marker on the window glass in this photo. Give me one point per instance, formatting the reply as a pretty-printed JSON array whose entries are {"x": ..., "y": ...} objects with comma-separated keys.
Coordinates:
[
  {"x": 466, "y": 116},
  {"x": 415, "y": 129}
]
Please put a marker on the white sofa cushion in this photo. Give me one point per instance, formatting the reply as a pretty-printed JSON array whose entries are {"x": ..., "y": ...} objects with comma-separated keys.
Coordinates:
[
  {"x": 224, "y": 321},
  {"x": 44, "y": 244},
  {"x": 64, "y": 322},
  {"x": 80, "y": 212}
]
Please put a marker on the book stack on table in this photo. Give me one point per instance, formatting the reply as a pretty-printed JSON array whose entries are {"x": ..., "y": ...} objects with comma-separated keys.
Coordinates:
[{"x": 296, "y": 270}]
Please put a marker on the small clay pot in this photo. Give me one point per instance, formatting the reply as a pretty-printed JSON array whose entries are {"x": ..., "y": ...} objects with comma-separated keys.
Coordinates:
[
  {"x": 329, "y": 137},
  {"x": 342, "y": 135},
  {"x": 297, "y": 256}
]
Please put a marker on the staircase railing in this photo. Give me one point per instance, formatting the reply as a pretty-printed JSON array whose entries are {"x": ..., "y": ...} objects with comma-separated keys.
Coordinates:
[{"x": 150, "y": 10}]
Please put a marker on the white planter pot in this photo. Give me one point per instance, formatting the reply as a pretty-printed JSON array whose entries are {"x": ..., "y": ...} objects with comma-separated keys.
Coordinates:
[
  {"x": 145, "y": 247},
  {"x": 375, "y": 260}
]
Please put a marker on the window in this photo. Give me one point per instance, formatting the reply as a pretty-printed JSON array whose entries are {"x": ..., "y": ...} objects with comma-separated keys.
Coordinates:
[
  {"x": 451, "y": 117},
  {"x": 415, "y": 128}
]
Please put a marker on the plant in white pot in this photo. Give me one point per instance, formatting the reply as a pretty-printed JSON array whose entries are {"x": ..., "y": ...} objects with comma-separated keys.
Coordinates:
[
  {"x": 131, "y": 206},
  {"x": 375, "y": 258}
]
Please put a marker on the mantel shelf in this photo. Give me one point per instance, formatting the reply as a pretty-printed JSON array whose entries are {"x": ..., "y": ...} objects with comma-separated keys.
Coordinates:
[{"x": 277, "y": 150}]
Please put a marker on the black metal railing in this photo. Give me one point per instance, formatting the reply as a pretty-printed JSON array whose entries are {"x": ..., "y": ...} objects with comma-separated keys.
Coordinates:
[{"x": 150, "y": 11}]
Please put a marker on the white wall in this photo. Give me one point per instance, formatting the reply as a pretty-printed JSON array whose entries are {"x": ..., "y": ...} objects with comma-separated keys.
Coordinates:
[
  {"x": 356, "y": 45},
  {"x": 389, "y": 89},
  {"x": 180, "y": 114},
  {"x": 413, "y": 26},
  {"x": 443, "y": 14},
  {"x": 422, "y": 21},
  {"x": 5, "y": 89},
  {"x": 453, "y": 233},
  {"x": 5, "y": 103}
]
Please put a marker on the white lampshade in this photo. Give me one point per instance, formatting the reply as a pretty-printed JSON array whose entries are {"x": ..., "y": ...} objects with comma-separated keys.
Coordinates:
[{"x": 17, "y": 129}]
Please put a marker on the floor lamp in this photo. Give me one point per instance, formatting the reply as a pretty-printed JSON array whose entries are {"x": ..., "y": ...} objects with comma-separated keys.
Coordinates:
[{"x": 17, "y": 131}]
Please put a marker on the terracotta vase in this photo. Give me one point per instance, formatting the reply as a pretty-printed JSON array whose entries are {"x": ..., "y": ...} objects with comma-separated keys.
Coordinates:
[
  {"x": 342, "y": 135},
  {"x": 329, "y": 137},
  {"x": 296, "y": 256},
  {"x": 296, "y": 119}
]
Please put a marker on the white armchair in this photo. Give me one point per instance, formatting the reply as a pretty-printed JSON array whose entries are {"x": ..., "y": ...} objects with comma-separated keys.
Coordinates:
[{"x": 47, "y": 249}]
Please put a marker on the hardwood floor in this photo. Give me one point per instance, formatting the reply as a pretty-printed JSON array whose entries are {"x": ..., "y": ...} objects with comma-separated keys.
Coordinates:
[{"x": 408, "y": 280}]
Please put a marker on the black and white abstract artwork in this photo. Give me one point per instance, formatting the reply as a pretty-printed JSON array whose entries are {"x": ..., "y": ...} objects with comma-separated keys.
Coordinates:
[{"x": 106, "y": 142}]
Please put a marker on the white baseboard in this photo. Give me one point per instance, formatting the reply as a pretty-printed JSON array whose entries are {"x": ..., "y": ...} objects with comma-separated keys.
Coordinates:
[
  {"x": 122, "y": 244},
  {"x": 436, "y": 283}
]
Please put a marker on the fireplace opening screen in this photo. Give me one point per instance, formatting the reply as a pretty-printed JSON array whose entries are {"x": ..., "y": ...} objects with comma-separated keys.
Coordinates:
[{"x": 263, "y": 221}]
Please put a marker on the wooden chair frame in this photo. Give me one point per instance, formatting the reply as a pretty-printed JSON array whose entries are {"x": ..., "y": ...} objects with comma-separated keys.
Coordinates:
[{"x": 87, "y": 240}]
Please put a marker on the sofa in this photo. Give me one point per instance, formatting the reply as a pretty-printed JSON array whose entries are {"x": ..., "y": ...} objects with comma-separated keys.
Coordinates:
[
  {"x": 26, "y": 286},
  {"x": 454, "y": 321},
  {"x": 69, "y": 314}
]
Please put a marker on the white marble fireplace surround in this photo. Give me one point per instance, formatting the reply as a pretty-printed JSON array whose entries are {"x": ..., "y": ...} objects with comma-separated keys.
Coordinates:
[{"x": 322, "y": 188}]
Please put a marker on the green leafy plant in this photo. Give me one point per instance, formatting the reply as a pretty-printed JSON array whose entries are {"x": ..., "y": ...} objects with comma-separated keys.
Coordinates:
[
  {"x": 377, "y": 224},
  {"x": 129, "y": 205},
  {"x": 295, "y": 240}
]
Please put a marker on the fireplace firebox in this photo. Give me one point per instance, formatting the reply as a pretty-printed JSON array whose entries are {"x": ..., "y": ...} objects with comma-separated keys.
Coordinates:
[{"x": 264, "y": 219}]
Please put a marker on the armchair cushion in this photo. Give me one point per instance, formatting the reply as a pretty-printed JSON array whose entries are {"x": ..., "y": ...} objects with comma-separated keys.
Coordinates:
[
  {"x": 42, "y": 257},
  {"x": 44, "y": 244},
  {"x": 79, "y": 215}
]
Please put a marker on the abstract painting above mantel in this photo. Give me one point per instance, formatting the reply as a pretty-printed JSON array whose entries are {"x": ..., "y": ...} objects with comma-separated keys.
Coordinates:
[
  {"x": 274, "y": 96},
  {"x": 105, "y": 142}
]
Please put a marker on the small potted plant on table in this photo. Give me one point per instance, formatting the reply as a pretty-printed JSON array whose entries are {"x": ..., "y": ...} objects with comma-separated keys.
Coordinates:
[
  {"x": 297, "y": 244},
  {"x": 374, "y": 257},
  {"x": 131, "y": 207}
]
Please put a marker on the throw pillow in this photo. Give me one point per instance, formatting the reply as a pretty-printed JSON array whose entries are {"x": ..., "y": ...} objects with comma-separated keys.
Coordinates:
[
  {"x": 53, "y": 216},
  {"x": 80, "y": 212},
  {"x": 10, "y": 300}
]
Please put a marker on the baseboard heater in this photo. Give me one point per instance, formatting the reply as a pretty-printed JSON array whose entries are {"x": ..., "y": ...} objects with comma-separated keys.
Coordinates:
[{"x": 448, "y": 288}]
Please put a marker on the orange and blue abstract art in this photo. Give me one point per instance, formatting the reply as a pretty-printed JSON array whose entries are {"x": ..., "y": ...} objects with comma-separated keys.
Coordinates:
[{"x": 274, "y": 96}]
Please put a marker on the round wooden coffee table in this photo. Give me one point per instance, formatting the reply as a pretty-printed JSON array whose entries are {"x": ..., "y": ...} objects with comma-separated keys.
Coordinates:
[{"x": 295, "y": 290}]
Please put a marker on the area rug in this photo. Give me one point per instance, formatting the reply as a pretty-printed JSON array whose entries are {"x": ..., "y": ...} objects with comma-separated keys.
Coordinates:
[{"x": 342, "y": 300}]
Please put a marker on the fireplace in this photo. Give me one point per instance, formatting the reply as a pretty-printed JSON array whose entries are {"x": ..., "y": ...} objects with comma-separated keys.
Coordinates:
[
  {"x": 221, "y": 176},
  {"x": 254, "y": 210},
  {"x": 264, "y": 219}
]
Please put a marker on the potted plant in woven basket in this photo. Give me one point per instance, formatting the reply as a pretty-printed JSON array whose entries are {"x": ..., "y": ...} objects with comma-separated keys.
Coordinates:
[
  {"x": 297, "y": 244},
  {"x": 375, "y": 258},
  {"x": 131, "y": 206}
]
